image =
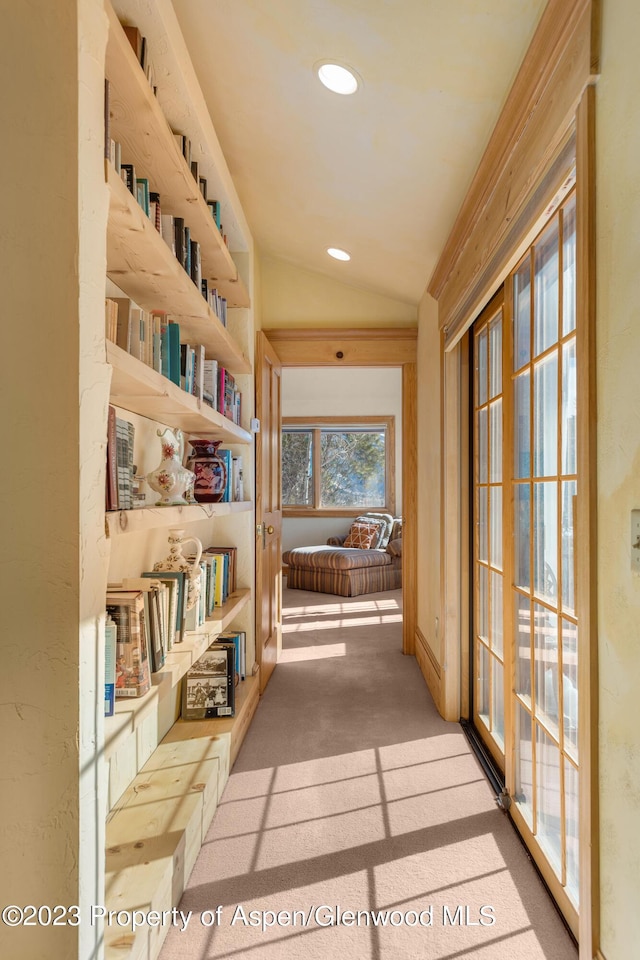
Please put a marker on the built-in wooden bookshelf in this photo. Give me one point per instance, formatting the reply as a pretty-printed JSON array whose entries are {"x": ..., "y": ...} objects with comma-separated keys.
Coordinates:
[
  {"x": 140, "y": 389},
  {"x": 138, "y": 124},
  {"x": 143, "y": 266},
  {"x": 165, "y": 777}
]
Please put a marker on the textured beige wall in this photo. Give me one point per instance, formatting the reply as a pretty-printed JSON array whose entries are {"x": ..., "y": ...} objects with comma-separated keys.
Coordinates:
[
  {"x": 618, "y": 353},
  {"x": 294, "y": 297},
  {"x": 51, "y": 823},
  {"x": 429, "y": 467}
]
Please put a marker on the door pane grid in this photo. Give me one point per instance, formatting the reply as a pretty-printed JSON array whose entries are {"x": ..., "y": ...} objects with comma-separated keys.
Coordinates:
[
  {"x": 544, "y": 488},
  {"x": 488, "y": 532}
]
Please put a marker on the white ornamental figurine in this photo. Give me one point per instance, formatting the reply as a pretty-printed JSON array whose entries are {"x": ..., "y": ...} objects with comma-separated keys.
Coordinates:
[
  {"x": 171, "y": 479},
  {"x": 176, "y": 561}
]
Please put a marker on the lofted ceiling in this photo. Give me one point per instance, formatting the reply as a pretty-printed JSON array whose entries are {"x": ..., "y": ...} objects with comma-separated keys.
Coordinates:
[{"x": 381, "y": 173}]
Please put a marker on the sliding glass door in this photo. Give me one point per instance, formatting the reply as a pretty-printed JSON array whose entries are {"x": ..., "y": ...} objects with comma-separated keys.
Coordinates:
[
  {"x": 525, "y": 628},
  {"x": 488, "y": 695},
  {"x": 544, "y": 489}
]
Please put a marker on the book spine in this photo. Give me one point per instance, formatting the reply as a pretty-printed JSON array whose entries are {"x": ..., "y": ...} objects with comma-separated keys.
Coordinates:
[{"x": 110, "y": 633}]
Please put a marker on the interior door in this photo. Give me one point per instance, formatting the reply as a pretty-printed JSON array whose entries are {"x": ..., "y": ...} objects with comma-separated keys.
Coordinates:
[{"x": 268, "y": 509}]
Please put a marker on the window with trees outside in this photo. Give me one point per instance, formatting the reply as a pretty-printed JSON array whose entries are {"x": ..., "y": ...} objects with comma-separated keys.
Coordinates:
[{"x": 336, "y": 466}]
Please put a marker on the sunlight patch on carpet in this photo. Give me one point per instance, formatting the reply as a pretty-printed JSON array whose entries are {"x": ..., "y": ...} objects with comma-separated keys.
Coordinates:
[{"x": 297, "y": 654}]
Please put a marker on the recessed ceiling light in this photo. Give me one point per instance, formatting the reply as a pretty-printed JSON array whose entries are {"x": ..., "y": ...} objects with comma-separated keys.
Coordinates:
[
  {"x": 338, "y": 254},
  {"x": 337, "y": 78}
]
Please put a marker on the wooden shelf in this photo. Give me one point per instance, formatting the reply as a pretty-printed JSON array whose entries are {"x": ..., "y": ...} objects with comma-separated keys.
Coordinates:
[
  {"x": 143, "y": 266},
  {"x": 120, "y": 522},
  {"x": 129, "y": 714},
  {"x": 156, "y": 829},
  {"x": 247, "y": 697},
  {"x": 139, "y": 125},
  {"x": 224, "y": 615},
  {"x": 140, "y": 389}
]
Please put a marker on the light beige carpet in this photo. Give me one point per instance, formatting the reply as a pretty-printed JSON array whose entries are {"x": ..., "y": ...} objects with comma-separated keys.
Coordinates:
[{"x": 356, "y": 822}]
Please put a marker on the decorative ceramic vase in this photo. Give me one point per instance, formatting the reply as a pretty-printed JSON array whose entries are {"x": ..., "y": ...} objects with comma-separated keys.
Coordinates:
[
  {"x": 176, "y": 561},
  {"x": 171, "y": 479},
  {"x": 210, "y": 471}
]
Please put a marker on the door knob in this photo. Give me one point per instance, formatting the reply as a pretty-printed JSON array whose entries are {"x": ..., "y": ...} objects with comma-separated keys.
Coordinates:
[{"x": 270, "y": 530}]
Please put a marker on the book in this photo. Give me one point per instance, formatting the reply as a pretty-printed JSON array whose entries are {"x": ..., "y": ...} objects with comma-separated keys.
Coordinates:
[
  {"x": 170, "y": 350},
  {"x": 126, "y": 609},
  {"x": 155, "y": 211},
  {"x": 184, "y": 146},
  {"x": 123, "y": 439},
  {"x": 231, "y": 553},
  {"x": 208, "y": 688},
  {"x": 178, "y": 223},
  {"x": 177, "y": 601},
  {"x": 226, "y": 455},
  {"x": 214, "y": 207},
  {"x": 107, "y": 120},
  {"x": 210, "y": 383},
  {"x": 128, "y": 172},
  {"x": 195, "y": 171},
  {"x": 196, "y": 264},
  {"x": 123, "y": 324},
  {"x": 237, "y": 479},
  {"x": 155, "y": 594},
  {"x": 110, "y": 635},
  {"x": 135, "y": 39},
  {"x": 112, "y": 461},
  {"x": 142, "y": 193},
  {"x": 168, "y": 231},
  {"x": 198, "y": 371},
  {"x": 111, "y": 319},
  {"x": 202, "y": 183},
  {"x": 238, "y": 638},
  {"x": 187, "y": 250}
]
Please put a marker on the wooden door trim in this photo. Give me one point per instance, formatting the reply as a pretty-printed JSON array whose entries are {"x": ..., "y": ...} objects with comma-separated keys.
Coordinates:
[
  {"x": 330, "y": 346},
  {"x": 266, "y": 358},
  {"x": 586, "y": 531},
  {"x": 395, "y": 347}
]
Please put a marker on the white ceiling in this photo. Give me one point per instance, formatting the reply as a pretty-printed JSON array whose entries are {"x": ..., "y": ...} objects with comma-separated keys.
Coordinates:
[{"x": 381, "y": 173}]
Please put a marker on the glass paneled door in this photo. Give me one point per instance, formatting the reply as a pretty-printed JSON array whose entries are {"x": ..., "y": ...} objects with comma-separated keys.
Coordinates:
[
  {"x": 544, "y": 700},
  {"x": 525, "y": 482},
  {"x": 488, "y": 694}
]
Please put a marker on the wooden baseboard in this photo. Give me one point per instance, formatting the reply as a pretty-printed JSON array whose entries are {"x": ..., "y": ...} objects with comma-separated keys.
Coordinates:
[{"x": 429, "y": 666}]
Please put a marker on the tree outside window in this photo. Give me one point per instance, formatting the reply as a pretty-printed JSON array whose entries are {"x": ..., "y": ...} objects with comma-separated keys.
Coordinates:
[{"x": 337, "y": 466}]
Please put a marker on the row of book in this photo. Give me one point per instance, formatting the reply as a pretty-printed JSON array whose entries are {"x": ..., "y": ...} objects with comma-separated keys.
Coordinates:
[
  {"x": 147, "y": 616},
  {"x": 141, "y": 50},
  {"x": 173, "y": 229},
  {"x": 154, "y": 338},
  {"x": 208, "y": 687}
]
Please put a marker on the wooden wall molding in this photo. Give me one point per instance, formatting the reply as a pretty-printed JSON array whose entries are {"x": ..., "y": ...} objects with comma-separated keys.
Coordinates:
[
  {"x": 532, "y": 129},
  {"x": 429, "y": 666},
  {"x": 365, "y": 347},
  {"x": 409, "y": 505}
]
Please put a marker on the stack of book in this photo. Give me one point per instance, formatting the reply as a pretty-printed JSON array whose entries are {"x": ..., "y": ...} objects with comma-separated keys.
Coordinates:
[
  {"x": 221, "y": 392},
  {"x": 120, "y": 465},
  {"x": 208, "y": 688},
  {"x": 217, "y": 583},
  {"x": 146, "y": 617}
]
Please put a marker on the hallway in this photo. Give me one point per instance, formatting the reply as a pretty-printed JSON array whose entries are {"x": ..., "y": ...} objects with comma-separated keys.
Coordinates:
[{"x": 352, "y": 796}]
